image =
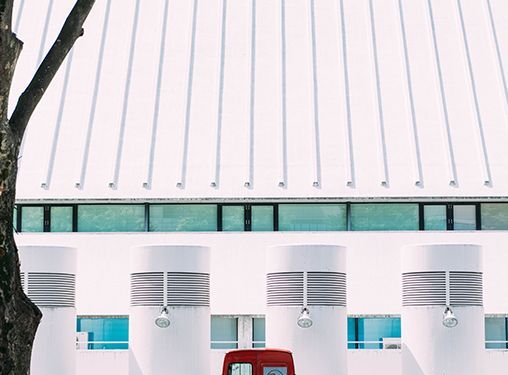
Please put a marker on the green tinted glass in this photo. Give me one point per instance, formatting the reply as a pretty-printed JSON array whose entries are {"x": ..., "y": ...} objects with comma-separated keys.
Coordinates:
[
  {"x": 434, "y": 217},
  {"x": 312, "y": 217},
  {"x": 32, "y": 219},
  {"x": 186, "y": 218},
  {"x": 224, "y": 332},
  {"x": 111, "y": 218},
  {"x": 233, "y": 218},
  {"x": 380, "y": 216},
  {"x": 61, "y": 219},
  {"x": 262, "y": 218},
  {"x": 494, "y": 216},
  {"x": 258, "y": 332},
  {"x": 464, "y": 217}
]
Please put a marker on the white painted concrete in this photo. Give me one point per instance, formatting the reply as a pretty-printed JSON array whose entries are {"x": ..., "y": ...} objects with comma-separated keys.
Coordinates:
[
  {"x": 428, "y": 347},
  {"x": 237, "y": 262},
  {"x": 321, "y": 348},
  {"x": 184, "y": 346},
  {"x": 55, "y": 341}
]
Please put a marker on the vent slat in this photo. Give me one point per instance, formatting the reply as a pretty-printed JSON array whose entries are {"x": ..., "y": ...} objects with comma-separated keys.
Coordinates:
[
  {"x": 50, "y": 289},
  {"x": 429, "y": 288},
  {"x": 183, "y": 289}
]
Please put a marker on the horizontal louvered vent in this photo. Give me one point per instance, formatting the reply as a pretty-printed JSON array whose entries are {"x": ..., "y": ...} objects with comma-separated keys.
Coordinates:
[
  {"x": 183, "y": 289},
  {"x": 22, "y": 275},
  {"x": 326, "y": 289},
  {"x": 284, "y": 289},
  {"x": 466, "y": 289},
  {"x": 423, "y": 288},
  {"x": 51, "y": 289},
  {"x": 188, "y": 289},
  {"x": 147, "y": 289},
  {"x": 429, "y": 288},
  {"x": 323, "y": 289}
]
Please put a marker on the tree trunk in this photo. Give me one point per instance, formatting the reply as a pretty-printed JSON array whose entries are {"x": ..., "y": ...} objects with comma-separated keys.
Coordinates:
[{"x": 19, "y": 317}]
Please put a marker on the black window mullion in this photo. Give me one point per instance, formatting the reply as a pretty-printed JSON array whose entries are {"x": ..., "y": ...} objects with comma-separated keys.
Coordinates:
[
  {"x": 421, "y": 216},
  {"x": 18, "y": 219},
  {"x": 75, "y": 218},
  {"x": 478, "y": 216},
  {"x": 348, "y": 216},
  {"x": 276, "y": 217},
  {"x": 247, "y": 214},
  {"x": 46, "y": 225},
  {"x": 147, "y": 217},
  {"x": 449, "y": 217},
  {"x": 219, "y": 217}
]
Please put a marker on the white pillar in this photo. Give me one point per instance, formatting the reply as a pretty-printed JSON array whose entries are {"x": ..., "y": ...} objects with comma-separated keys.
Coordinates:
[
  {"x": 177, "y": 277},
  {"x": 312, "y": 276},
  {"x": 48, "y": 276},
  {"x": 433, "y": 277}
]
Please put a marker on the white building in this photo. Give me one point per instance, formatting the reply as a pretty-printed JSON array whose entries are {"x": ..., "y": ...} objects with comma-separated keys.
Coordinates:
[{"x": 242, "y": 125}]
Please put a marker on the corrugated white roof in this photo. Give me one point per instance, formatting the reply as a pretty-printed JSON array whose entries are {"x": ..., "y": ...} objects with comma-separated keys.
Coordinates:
[{"x": 265, "y": 98}]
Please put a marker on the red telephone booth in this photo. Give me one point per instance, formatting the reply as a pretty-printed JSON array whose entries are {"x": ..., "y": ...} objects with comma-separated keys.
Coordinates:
[{"x": 258, "y": 362}]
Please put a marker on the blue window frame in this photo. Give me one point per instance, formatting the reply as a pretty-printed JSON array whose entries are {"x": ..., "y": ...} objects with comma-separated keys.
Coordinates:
[{"x": 105, "y": 333}]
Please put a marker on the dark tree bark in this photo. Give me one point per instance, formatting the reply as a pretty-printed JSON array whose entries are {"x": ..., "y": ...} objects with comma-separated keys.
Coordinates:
[{"x": 19, "y": 317}]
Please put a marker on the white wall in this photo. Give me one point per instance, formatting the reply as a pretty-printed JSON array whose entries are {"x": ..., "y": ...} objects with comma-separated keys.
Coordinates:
[
  {"x": 238, "y": 266},
  {"x": 195, "y": 107},
  {"x": 360, "y": 362}
]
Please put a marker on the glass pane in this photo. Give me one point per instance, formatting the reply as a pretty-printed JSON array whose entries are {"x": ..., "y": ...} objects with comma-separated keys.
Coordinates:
[
  {"x": 351, "y": 333},
  {"x": 382, "y": 216},
  {"x": 61, "y": 219},
  {"x": 434, "y": 217},
  {"x": 183, "y": 217},
  {"x": 104, "y": 333},
  {"x": 262, "y": 218},
  {"x": 32, "y": 219},
  {"x": 275, "y": 371},
  {"x": 258, "y": 332},
  {"x": 224, "y": 332},
  {"x": 111, "y": 218},
  {"x": 233, "y": 218},
  {"x": 464, "y": 217},
  {"x": 495, "y": 332},
  {"x": 240, "y": 369},
  {"x": 372, "y": 331},
  {"x": 312, "y": 217},
  {"x": 494, "y": 216}
]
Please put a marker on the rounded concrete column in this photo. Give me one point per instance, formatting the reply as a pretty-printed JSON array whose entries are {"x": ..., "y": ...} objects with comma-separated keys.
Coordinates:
[
  {"x": 48, "y": 275},
  {"x": 313, "y": 277},
  {"x": 435, "y": 277},
  {"x": 177, "y": 279}
]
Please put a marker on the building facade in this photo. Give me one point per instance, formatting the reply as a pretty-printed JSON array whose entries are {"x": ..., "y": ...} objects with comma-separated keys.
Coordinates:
[{"x": 243, "y": 125}]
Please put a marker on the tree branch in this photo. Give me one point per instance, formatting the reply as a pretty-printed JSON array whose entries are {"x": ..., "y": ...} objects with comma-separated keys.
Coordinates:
[
  {"x": 6, "y": 15},
  {"x": 71, "y": 31}
]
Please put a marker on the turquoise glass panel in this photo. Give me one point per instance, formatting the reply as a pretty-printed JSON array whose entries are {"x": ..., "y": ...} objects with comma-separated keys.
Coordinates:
[
  {"x": 183, "y": 218},
  {"x": 312, "y": 217},
  {"x": 233, "y": 218},
  {"x": 372, "y": 331},
  {"x": 464, "y": 217},
  {"x": 382, "y": 216},
  {"x": 262, "y": 218},
  {"x": 258, "y": 333},
  {"x": 494, "y": 216},
  {"x": 434, "y": 217},
  {"x": 496, "y": 333},
  {"x": 351, "y": 333},
  {"x": 224, "y": 332},
  {"x": 105, "y": 333},
  {"x": 32, "y": 219},
  {"x": 111, "y": 218},
  {"x": 61, "y": 219}
]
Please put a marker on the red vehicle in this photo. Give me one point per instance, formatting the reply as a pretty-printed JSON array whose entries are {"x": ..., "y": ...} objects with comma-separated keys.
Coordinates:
[{"x": 258, "y": 362}]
